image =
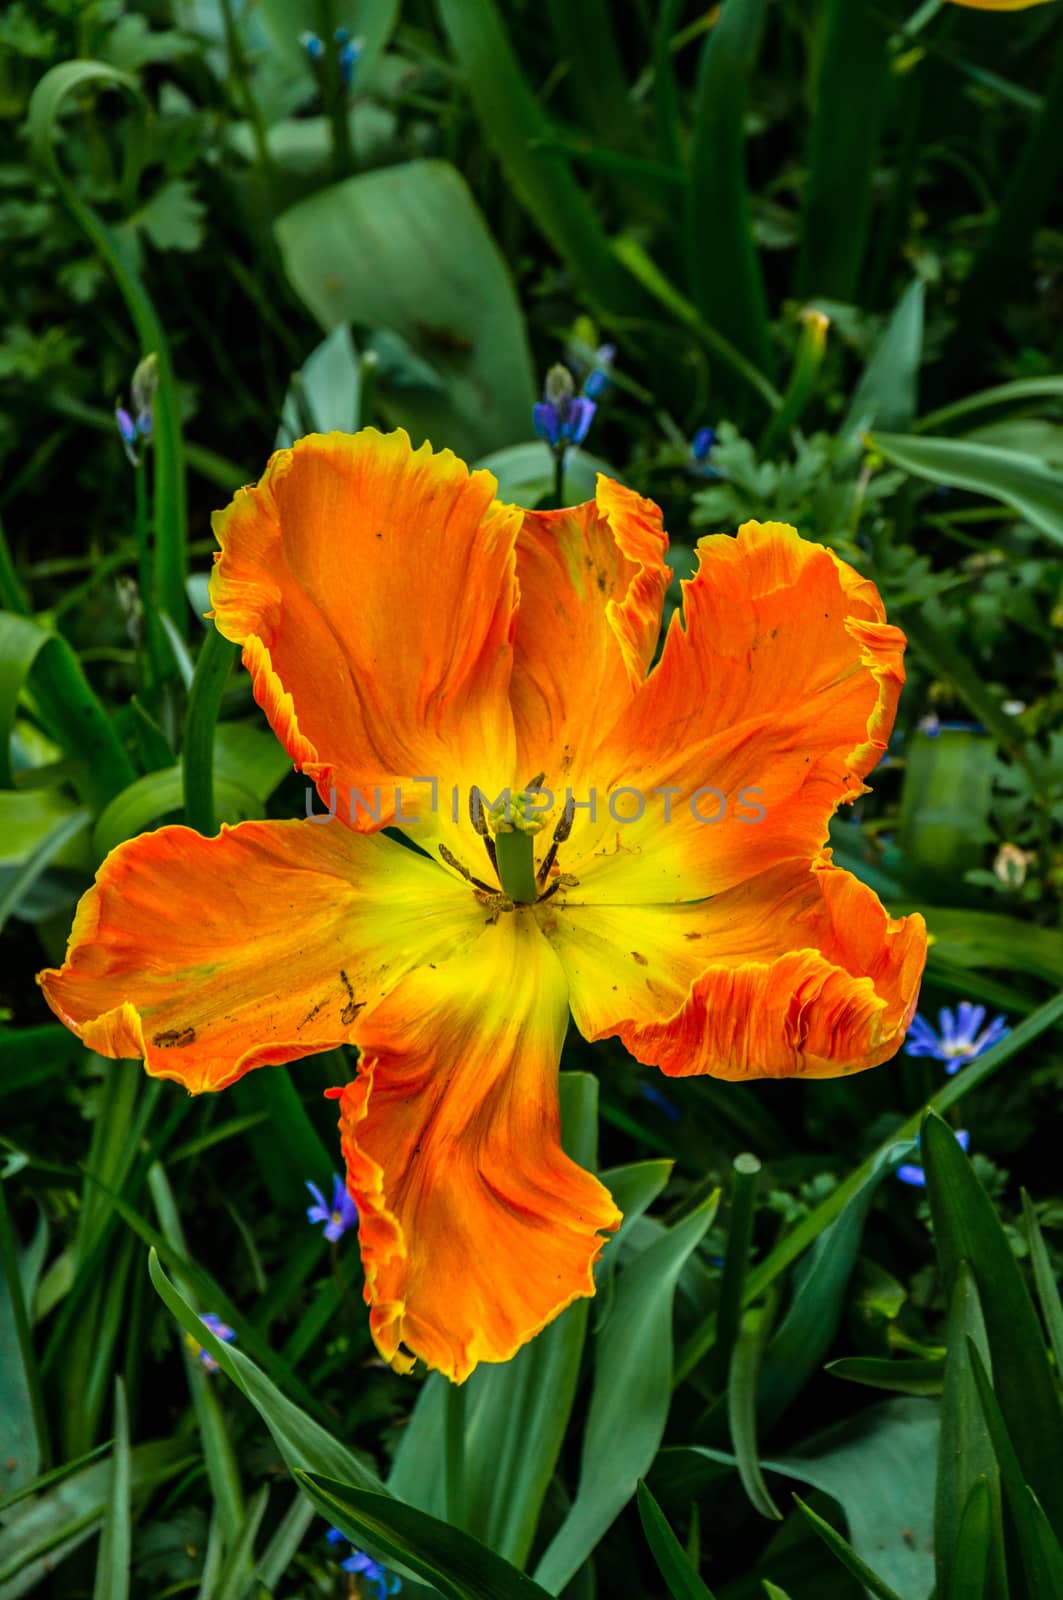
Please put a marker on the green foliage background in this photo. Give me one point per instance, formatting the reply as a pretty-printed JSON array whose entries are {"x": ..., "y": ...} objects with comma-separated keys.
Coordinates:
[{"x": 798, "y": 1377}]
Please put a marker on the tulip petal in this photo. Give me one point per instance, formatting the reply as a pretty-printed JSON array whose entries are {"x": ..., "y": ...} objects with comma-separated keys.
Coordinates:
[
  {"x": 372, "y": 588},
  {"x": 476, "y": 1229},
  {"x": 1000, "y": 5},
  {"x": 208, "y": 957},
  {"x": 592, "y": 581},
  {"x": 797, "y": 972},
  {"x": 763, "y": 715}
]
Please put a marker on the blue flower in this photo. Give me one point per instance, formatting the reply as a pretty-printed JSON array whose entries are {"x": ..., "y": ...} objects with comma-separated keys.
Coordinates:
[
  {"x": 908, "y": 1172},
  {"x": 341, "y": 1215},
  {"x": 701, "y": 445},
  {"x": 562, "y": 417},
  {"x": 221, "y": 1330},
  {"x": 370, "y": 1571},
  {"x": 959, "y": 1040},
  {"x": 312, "y": 45},
  {"x": 600, "y": 376}
]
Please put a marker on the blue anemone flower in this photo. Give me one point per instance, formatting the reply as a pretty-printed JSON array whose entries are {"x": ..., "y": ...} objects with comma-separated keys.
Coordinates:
[
  {"x": 908, "y": 1172},
  {"x": 958, "y": 1040},
  {"x": 337, "y": 1217}
]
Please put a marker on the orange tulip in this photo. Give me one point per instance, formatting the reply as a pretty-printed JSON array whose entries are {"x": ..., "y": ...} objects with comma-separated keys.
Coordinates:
[
  {"x": 401, "y": 625},
  {"x": 1000, "y": 5}
]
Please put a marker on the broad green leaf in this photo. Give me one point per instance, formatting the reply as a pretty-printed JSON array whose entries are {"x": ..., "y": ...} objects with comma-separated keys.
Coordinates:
[
  {"x": 967, "y": 1228},
  {"x": 27, "y": 817},
  {"x": 877, "y": 1465},
  {"x": 630, "y": 1398},
  {"x": 325, "y": 395},
  {"x": 965, "y": 1452},
  {"x": 33, "y": 659},
  {"x": 672, "y": 1562},
  {"x": 18, "y": 884},
  {"x": 887, "y": 393},
  {"x": 405, "y": 248},
  {"x": 948, "y": 785},
  {"x": 723, "y": 265},
  {"x": 1017, "y": 480},
  {"x": 525, "y": 473},
  {"x": 974, "y": 939},
  {"x": 453, "y": 1562},
  {"x": 301, "y": 1441},
  {"x": 246, "y": 754},
  {"x": 149, "y": 799}
]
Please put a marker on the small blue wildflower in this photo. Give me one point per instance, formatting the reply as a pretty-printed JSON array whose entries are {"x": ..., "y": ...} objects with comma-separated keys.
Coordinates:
[
  {"x": 600, "y": 376},
  {"x": 127, "y": 432},
  {"x": 908, "y": 1172},
  {"x": 341, "y": 35},
  {"x": 370, "y": 1571},
  {"x": 312, "y": 45},
  {"x": 341, "y": 1215},
  {"x": 350, "y": 55},
  {"x": 701, "y": 445},
  {"x": 562, "y": 417},
  {"x": 959, "y": 1040},
  {"x": 221, "y": 1330}
]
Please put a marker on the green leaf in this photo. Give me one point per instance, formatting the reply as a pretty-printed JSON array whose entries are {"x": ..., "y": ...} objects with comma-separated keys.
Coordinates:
[
  {"x": 683, "y": 1582},
  {"x": 55, "y": 841},
  {"x": 233, "y": 1577},
  {"x": 214, "y": 663},
  {"x": 1015, "y": 393},
  {"x": 742, "y": 1411},
  {"x": 845, "y": 1553},
  {"x": 517, "y": 127},
  {"x": 43, "y": 126},
  {"x": 326, "y": 393},
  {"x": 43, "y": 663},
  {"x": 516, "y": 1411},
  {"x": 630, "y": 1398},
  {"x": 970, "y": 1558},
  {"x": 723, "y": 264},
  {"x": 156, "y": 795},
  {"x": 112, "y": 1563},
  {"x": 967, "y": 1228},
  {"x": 878, "y": 1466},
  {"x": 1042, "y": 1558},
  {"x": 451, "y": 1561},
  {"x": 525, "y": 473},
  {"x": 405, "y": 248},
  {"x": 902, "y": 1377},
  {"x": 301, "y": 1441},
  {"x": 887, "y": 393},
  {"x": 1017, "y": 480},
  {"x": 46, "y": 1530},
  {"x": 23, "y": 1420},
  {"x": 849, "y": 97},
  {"x": 965, "y": 1452},
  {"x": 948, "y": 786},
  {"x": 1045, "y": 1279}
]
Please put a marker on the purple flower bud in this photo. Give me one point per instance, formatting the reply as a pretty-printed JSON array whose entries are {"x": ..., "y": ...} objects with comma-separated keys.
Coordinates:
[
  {"x": 547, "y": 423},
  {"x": 127, "y": 428},
  {"x": 580, "y": 416},
  {"x": 596, "y": 384}
]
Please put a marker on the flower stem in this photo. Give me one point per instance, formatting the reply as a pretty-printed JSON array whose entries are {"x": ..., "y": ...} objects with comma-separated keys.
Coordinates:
[{"x": 559, "y": 478}]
